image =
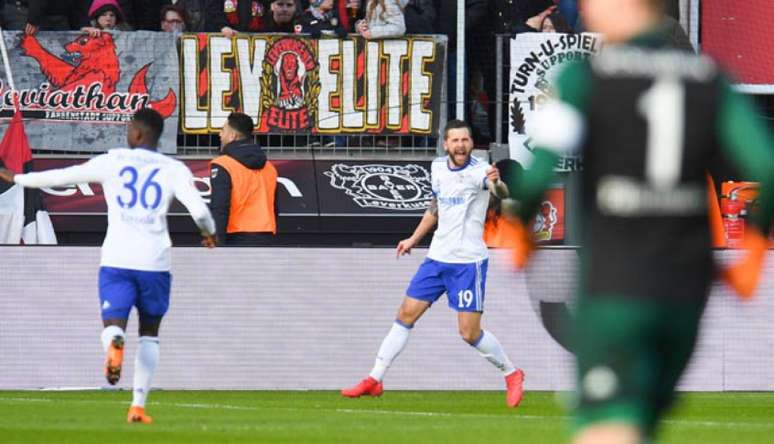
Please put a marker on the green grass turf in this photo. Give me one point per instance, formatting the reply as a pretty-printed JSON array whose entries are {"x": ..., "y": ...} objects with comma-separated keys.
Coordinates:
[{"x": 326, "y": 417}]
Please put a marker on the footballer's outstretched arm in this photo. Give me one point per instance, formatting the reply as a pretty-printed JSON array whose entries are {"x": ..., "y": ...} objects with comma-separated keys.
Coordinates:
[
  {"x": 189, "y": 196},
  {"x": 90, "y": 171},
  {"x": 557, "y": 129},
  {"x": 429, "y": 219}
]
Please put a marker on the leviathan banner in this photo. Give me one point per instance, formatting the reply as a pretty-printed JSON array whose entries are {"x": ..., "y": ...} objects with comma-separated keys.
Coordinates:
[
  {"x": 535, "y": 60},
  {"x": 290, "y": 84},
  {"x": 77, "y": 92}
]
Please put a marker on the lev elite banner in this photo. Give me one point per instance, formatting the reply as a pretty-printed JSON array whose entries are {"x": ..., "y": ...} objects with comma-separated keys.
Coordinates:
[
  {"x": 293, "y": 84},
  {"x": 78, "y": 91}
]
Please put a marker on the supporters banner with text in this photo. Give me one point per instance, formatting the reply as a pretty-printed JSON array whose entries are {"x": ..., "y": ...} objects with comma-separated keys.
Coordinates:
[
  {"x": 292, "y": 84},
  {"x": 535, "y": 60},
  {"x": 77, "y": 91}
]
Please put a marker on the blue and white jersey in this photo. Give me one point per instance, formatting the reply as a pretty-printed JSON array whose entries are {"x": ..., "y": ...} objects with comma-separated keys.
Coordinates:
[
  {"x": 462, "y": 201},
  {"x": 138, "y": 186}
]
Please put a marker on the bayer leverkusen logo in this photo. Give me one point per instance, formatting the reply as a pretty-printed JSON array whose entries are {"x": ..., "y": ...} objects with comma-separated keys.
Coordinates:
[{"x": 390, "y": 187}]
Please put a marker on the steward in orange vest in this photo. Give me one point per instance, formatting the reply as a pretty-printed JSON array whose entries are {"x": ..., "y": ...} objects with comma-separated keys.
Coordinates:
[{"x": 243, "y": 187}]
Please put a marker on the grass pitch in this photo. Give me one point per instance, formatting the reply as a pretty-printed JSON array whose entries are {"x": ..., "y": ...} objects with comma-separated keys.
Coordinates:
[{"x": 326, "y": 417}]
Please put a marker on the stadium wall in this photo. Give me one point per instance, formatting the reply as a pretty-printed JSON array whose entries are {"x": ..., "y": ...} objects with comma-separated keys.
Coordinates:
[{"x": 293, "y": 318}]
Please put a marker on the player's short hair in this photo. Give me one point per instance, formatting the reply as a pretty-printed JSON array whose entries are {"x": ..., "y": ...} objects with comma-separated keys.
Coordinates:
[
  {"x": 151, "y": 121},
  {"x": 456, "y": 124},
  {"x": 242, "y": 123}
]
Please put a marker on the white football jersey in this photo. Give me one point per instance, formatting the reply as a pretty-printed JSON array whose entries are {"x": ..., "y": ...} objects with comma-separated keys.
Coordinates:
[
  {"x": 138, "y": 186},
  {"x": 463, "y": 198}
]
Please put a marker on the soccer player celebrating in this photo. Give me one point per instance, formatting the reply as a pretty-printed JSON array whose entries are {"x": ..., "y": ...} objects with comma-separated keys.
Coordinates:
[
  {"x": 649, "y": 121},
  {"x": 138, "y": 185},
  {"x": 456, "y": 262}
]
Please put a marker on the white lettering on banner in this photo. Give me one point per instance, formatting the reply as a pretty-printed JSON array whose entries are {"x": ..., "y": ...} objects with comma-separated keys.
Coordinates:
[
  {"x": 397, "y": 51},
  {"x": 536, "y": 58},
  {"x": 193, "y": 117},
  {"x": 327, "y": 119},
  {"x": 250, "y": 73},
  {"x": 69, "y": 190},
  {"x": 296, "y": 84},
  {"x": 420, "y": 85},
  {"x": 372, "y": 84},
  {"x": 352, "y": 118},
  {"x": 220, "y": 79}
]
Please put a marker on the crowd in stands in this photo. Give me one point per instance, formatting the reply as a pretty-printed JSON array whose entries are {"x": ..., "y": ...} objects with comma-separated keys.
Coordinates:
[{"x": 371, "y": 19}]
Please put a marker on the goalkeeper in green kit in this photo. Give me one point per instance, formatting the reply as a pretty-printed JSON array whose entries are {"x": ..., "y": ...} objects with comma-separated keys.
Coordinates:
[{"x": 649, "y": 121}]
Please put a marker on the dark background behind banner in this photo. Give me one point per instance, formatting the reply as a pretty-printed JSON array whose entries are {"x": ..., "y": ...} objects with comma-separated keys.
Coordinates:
[{"x": 311, "y": 210}]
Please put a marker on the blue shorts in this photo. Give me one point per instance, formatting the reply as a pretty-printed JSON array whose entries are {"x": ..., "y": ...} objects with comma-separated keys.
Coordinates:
[
  {"x": 120, "y": 289},
  {"x": 464, "y": 284}
]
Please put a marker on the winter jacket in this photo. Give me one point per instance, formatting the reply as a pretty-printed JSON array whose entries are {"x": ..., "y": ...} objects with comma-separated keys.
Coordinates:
[{"x": 387, "y": 22}]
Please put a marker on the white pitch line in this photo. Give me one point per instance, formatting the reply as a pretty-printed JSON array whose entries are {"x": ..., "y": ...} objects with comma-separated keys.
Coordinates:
[{"x": 516, "y": 415}]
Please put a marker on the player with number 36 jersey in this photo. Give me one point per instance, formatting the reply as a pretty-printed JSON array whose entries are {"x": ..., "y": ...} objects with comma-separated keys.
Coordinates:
[{"x": 138, "y": 186}]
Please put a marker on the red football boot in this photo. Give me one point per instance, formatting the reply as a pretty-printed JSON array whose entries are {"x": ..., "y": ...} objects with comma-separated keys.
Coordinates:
[
  {"x": 514, "y": 384},
  {"x": 368, "y": 386},
  {"x": 137, "y": 414},
  {"x": 114, "y": 359}
]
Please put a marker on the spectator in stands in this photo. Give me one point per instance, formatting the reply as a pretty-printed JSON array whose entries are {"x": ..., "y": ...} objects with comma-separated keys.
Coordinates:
[
  {"x": 383, "y": 19},
  {"x": 105, "y": 15},
  {"x": 45, "y": 15},
  {"x": 419, "y": 16},
  {"x": 283, "y": 15},
  {"x": 141, "y": 14},
  {"x": 173, "y": 19},
  {"x": 548, "y": 20},
  {"x": 194, "y": 13},
  {"x": 231, "y": 16},
  {"x": 569, "y": 10},
  {"x": 324, "y": 17},
  {"x": 243, "y": 187}
]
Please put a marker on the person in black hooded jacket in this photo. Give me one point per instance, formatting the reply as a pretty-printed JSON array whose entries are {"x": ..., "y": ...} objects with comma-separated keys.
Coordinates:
[{"x": 243, "y": 186}]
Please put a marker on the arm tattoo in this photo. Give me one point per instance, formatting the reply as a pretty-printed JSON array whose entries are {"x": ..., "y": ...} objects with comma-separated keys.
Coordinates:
[{"x": 433, "y": 207}]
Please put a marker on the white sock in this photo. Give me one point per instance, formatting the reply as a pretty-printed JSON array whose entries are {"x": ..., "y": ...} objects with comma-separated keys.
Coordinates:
[
  {"x": 391, "y": 347},
  {"x": 489, "y": 347},
  {"x": 108, "y": 334},
  {"x": 144, "y": 366}
]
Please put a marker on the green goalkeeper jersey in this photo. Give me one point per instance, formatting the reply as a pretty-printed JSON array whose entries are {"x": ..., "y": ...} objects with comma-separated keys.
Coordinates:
[{"x": 649, "y": 122}]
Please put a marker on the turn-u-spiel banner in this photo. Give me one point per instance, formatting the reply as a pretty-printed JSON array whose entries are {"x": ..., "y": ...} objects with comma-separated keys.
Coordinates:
[
  {"x": 77, "y": 91},
  {"x": 293, "y": 84},
  {"x": 535, "y": 60}
]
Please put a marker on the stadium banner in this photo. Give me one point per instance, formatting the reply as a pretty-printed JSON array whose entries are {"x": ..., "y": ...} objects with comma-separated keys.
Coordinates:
[
  {"x": 77, "y": 91},
  {"x": 535, "y": 60},
  {"x": 314, "y": 318},
  {"x": 291, "y": 84}
]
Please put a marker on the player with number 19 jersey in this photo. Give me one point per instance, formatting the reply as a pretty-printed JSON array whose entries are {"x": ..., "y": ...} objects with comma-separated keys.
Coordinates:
[
  {"x": 462, "y": 201},
  {"x": 138, "y": 187}
]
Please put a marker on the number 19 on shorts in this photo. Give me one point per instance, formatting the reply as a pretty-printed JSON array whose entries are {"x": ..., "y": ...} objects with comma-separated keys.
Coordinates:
[{"x": 464, "y": 298}]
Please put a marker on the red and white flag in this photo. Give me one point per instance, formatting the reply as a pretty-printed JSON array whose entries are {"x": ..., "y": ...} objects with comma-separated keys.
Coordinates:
[{"x": 22, "y": 216}]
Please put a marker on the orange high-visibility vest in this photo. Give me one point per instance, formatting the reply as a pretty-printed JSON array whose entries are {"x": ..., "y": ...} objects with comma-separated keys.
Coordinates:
[{"x": 252, "y": 196}]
